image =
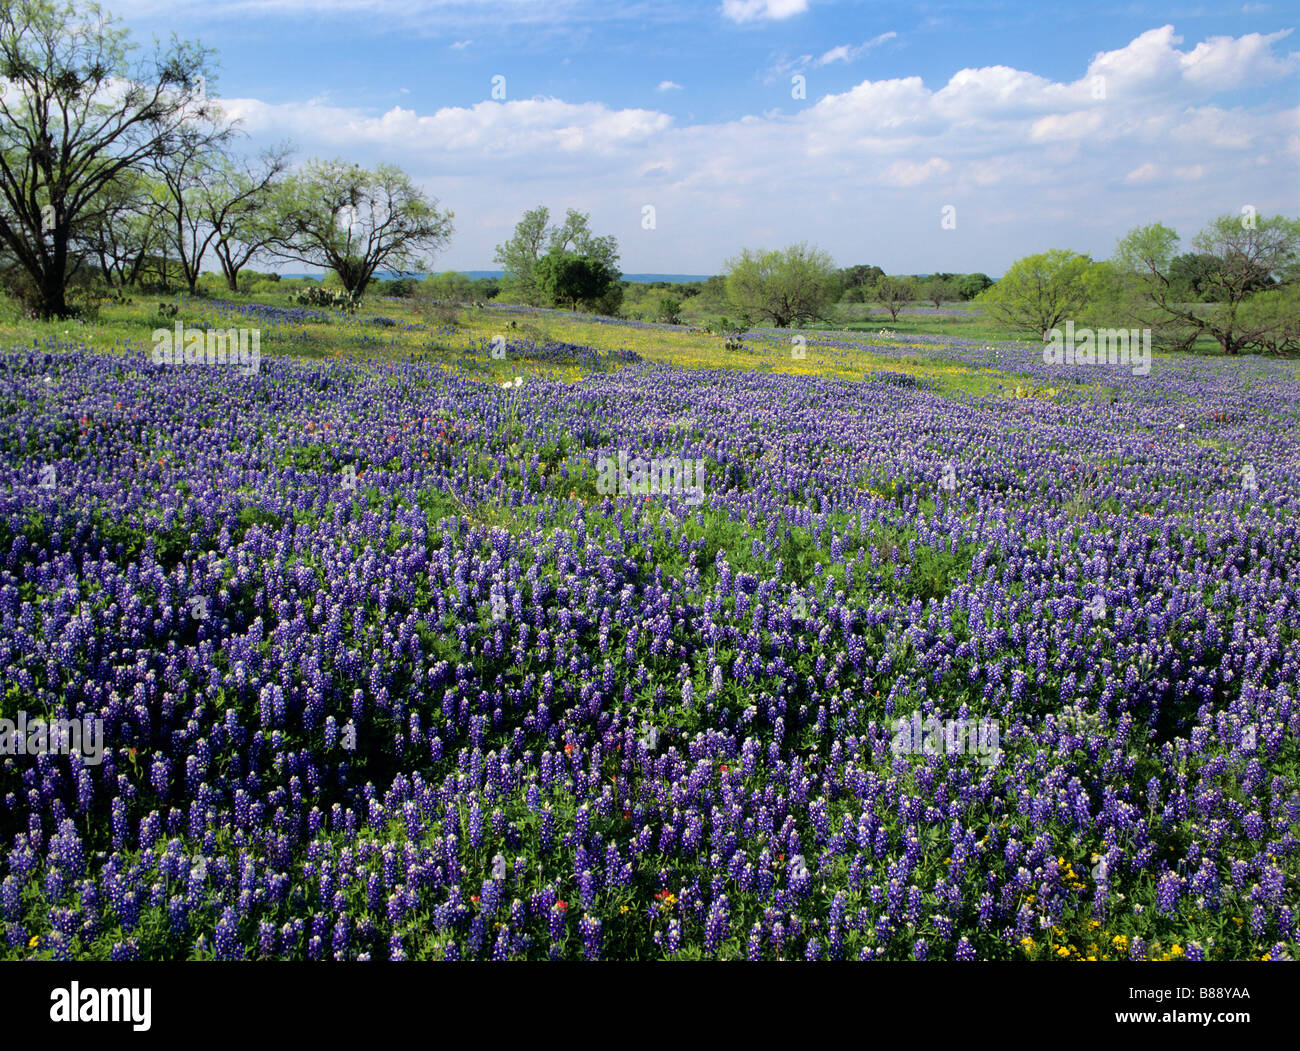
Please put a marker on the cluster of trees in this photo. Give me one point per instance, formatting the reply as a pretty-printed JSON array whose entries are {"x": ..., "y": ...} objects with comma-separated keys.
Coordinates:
[
  {"x": 870, "y": 284},
  {"x": 800, "y": 284},
  {"x": 560, "y": 264},
  {"x": 124, "y": 172},
  {"x": 1240, "y": 287}
]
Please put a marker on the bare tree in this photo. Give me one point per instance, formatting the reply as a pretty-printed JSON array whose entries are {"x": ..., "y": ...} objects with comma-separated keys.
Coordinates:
[
  {"x": 127, "y": 230},
  {"x": 75, "y": 116},
  {"x": 240, "y": 206},
  {"x": 186, "y": 174},
  {"x": 356, "y": 222}
]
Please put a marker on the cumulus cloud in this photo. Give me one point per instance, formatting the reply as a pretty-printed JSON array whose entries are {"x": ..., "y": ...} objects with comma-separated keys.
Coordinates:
[
  {"x": 668, "y": 85},
  {"x": 1029, "y": 162},
  {"x": 1153, "y": 63}
]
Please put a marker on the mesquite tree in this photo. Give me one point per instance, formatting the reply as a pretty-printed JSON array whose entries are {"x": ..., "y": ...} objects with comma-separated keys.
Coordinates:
[
  {"x": 341, "y": 217},
  {"x": 75, "y": 114}
]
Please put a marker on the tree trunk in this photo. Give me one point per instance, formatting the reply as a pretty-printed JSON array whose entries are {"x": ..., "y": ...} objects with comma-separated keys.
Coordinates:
[
  {"x": 53, "y": 280},
  {"x": 53, "y": 302}
]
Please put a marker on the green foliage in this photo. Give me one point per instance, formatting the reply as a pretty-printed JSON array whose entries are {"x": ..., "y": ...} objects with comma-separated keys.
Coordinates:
[
  {"x": 1040, "y": 292},
  {"x": 860, "y": 277},
  {"x": 971, "y": 285},
  {"x": 570, "y": 280},
  {"x": 62, "y": 64},
  {"x": 337, "y": 299},
  {"x": 939, "y": 289},
  {"x": 252, "y": 281},
  {"x": 786, "y": 287},
  {"x": 1272, "y": 317},
  {"x": 356, "y": 222},
  {"x": 1206, "y": 292},
  {"x": 533, "y": 239},
  {"x": 450, "y": 286},
  {"x": 894, "y": 293}
]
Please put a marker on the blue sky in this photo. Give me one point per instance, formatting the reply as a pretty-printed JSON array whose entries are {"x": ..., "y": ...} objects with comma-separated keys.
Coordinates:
[{"x": 1035, "y": 126}]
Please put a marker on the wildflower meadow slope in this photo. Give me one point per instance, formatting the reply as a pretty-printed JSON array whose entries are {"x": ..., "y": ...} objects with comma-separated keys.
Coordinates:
[{"x": 382, "y": 672}]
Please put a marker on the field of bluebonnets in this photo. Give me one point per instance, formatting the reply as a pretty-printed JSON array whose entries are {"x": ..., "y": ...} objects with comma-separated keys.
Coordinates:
[{"x": 383, "y": 674}]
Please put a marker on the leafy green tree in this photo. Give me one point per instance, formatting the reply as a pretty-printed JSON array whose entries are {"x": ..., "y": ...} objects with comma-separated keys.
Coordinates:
[
  {"x": 894, "y": 293},
  {"x": 520, "y": 254},
  {"x": 126, "y": 230},
  {"x": 76, "y": 115},
  {"x": 1039, "y": 292},
  {"x": 1189, "y": 277},
  {"x": 786, "y": 286},
  {"x": 670, "y": 311},
  {"x": 574, "y": 236},
  {"x": 534, "y": 237},
  {"x": 355, "y": 222},
  {"x": 450, "y": 286},
  {"x": 611, "y": 303},
  {"x": 714, "y": 289},
  {"x": 939, "y": 290},
  {"x": 573, "y": 280},
  {"x": 1272, "y": 317},
  {"x": 971, "y": 285},
  {"x": 1240, "y": 257},
  {"x": 860, "y": 276}
]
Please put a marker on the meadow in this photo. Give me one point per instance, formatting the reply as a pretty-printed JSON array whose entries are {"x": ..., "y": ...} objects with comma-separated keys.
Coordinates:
[{"x": 383, "y": 673}]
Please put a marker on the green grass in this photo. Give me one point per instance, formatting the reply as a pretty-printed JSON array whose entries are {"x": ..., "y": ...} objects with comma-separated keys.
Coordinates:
[{"x": 121, "y": 326}]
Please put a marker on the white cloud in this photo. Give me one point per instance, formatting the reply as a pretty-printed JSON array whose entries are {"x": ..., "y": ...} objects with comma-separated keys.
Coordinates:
[
  {"x": 668, "y": 85},
  {"x": 1144, "y": 173},
  {"x": 754, "y": 10},
  {"x": 784, "y": 66},
  {"x": 913, "y": 173},
  {"x": 461, "y": 45},
  {"x": 1152, "y": 62},
  {"x": 845, "y": 53},
  {"x": 1028, "y": 161}
]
